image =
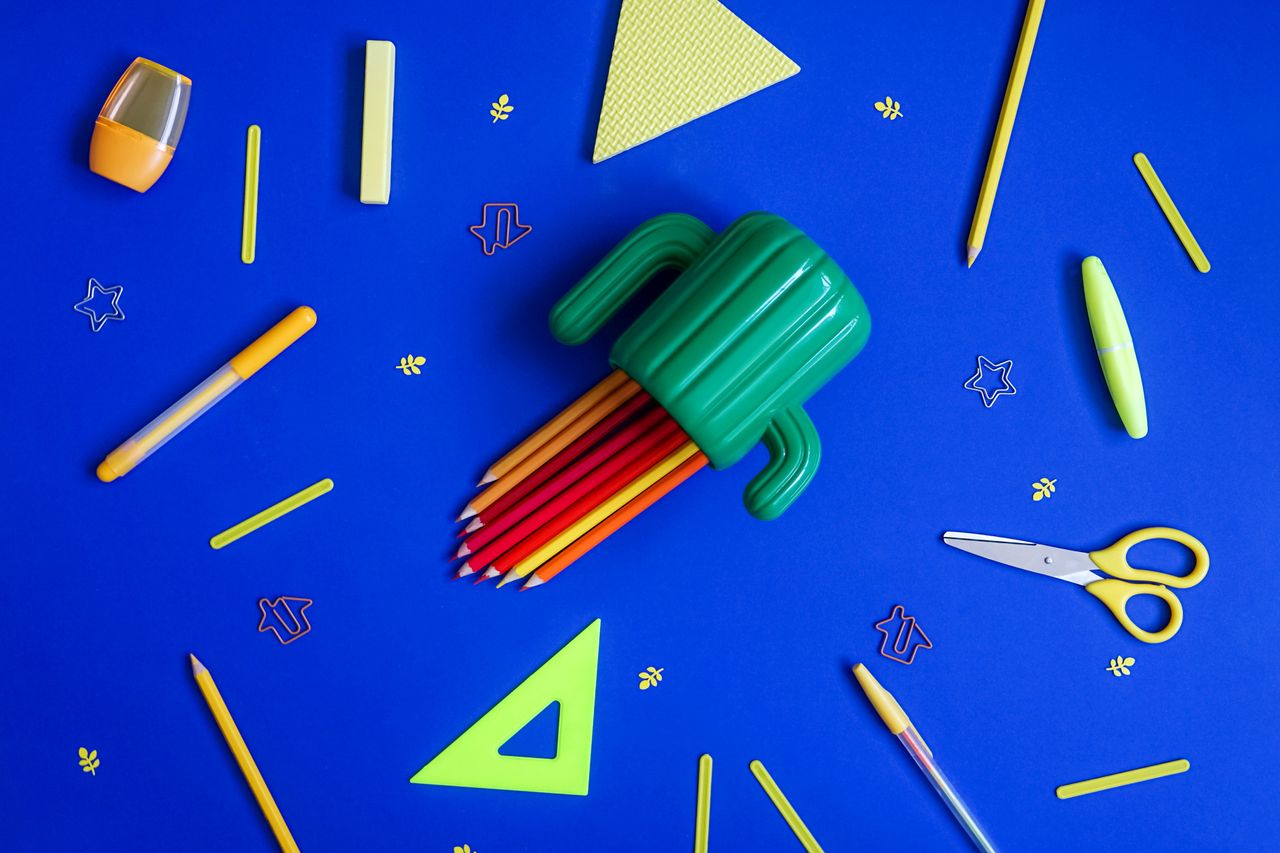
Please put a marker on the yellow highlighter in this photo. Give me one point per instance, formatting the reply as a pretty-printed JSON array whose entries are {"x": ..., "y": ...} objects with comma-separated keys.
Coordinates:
[{"x": 200, "y": 399}]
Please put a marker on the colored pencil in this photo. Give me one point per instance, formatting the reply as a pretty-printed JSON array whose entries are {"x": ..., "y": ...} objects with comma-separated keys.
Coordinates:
[
  {"x": 616, "y": 482},
  {"x": 631, "y": 436},
  {"x": 1004, "y": 127},
  {"x": 600, "y": 513},
  {"x": 613, "y": 523},
  {"x": 554, "y": 445},
  {"x": 554, "y": 516},
  {"x": 639, "y": 403},
  {"x": 248, "y": 766},
  {"x": 579, "y": 407}
]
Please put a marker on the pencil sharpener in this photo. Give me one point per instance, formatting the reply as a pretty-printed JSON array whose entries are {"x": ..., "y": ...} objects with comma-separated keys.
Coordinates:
[
  {"x": 138, "y": 128},
  {"x": 758, "y": 319}
]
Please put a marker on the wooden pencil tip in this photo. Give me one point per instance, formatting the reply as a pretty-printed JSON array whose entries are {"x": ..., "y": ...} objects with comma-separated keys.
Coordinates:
[
  {"x": 973, "y": 254},
  {"x": 474, "y": 525},
  {"x": 489, "y": 477},
  {"x": 532, "y": 582},
  {"x": 506, "y": 579},
  {"x": 196, "y": 666},
  {"x": 463, "y": 551},
  {"x": 467, "y": 512},
  {"x": 464, "y": 570}
]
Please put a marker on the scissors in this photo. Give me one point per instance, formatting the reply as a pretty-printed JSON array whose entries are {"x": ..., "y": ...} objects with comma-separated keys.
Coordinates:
[{"x": 1078, "y": 567}]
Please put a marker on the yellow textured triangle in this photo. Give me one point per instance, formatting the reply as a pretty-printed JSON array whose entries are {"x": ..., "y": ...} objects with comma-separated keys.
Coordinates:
[{"x": 674, "y": 61}]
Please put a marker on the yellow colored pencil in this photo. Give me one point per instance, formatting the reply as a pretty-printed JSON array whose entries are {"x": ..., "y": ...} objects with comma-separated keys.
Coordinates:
[
  {"x": 522, "y": 450},
  {"x": 535, "y": 460},
  {"x": 600, "y": 513},
  {"x": 1004, "y": 127},
  {"x": 247, "y": 765}
]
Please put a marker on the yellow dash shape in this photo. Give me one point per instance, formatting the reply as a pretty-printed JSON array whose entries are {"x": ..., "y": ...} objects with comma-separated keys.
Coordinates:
[
  {"x": 784, "y": 808},
  {"x": 1128, "y": 777},
  {"x": 249, "y": 225},
  {"x": 702, "y": 823},
  {"x": 270, "y": 514},
  {"x": 1171, "y": 211}
]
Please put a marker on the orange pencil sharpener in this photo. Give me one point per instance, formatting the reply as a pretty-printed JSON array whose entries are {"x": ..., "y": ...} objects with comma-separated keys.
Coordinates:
[{"x": 139, "y": 125}]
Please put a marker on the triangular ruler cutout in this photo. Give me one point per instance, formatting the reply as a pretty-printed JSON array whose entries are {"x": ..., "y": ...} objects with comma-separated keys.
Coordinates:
[
  {"x": 674, "y": 61},
  {"x": 473, "y": 761},
  {"x": 538, "y": 737}
]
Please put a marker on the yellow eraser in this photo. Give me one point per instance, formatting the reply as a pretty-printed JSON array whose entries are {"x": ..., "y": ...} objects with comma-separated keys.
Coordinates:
[{"x": 379, "y": 97}]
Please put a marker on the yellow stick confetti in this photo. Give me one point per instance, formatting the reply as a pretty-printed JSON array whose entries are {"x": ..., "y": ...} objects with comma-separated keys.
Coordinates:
[
  {"x": 270, "y": 514},
  {"x": 1171, "y": 211},
  {"x": 784, "y": 808},
  {"x": 1128, "y": 777},
  {"x": 702, "y": 824},
  {"x": 249, "y": 228}
]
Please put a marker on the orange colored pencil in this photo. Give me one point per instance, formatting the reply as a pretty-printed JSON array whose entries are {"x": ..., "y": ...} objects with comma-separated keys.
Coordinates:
[
  {"x": 522, "y": 450},
  {"x": 613, "y": 523},
  {"x": 560, "y": 441}
]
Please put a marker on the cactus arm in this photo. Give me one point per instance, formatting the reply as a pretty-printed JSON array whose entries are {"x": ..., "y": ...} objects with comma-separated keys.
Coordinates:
[
  {"x": 794, "y": 453},
  {"x": 669, "y": 240}
]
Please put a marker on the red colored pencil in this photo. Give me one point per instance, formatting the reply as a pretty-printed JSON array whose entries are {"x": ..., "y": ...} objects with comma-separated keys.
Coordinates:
[
  {"x": 547, "y": 515},
  {"x": 576, "y": 448},
  {"x": 637, "y": 432},
  {"x": 584, "y": 505}
]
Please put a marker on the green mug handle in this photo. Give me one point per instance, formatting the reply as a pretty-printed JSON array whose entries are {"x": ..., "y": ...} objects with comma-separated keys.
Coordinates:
[
  {"x": 794, "y": 454},
  {"x": 669, "y": 240}
]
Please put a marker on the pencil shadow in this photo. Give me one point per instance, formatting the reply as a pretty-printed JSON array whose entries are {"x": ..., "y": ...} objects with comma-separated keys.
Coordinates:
[
  {"x": 1084, "y": 365},
  {"x": 604, "y": 52},
  {"x": 352, "y": 119},
  {"x": 990, "y": 116}
]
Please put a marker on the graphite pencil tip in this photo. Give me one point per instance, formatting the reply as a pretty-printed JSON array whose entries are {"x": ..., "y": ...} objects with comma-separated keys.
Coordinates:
[
  {"x": 196, "y": 666},
  {"x": 467, "y": 512},
  {"x": 532, "y": 582},
  {"x": 973, "y": 254},
  {"x": 489, "y": 477}
]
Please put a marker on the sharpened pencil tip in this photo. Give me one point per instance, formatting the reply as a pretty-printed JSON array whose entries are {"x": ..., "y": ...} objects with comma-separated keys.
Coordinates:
[
  {"x": 489, "y": 477},
  {"x": 196, "y": 666},
  {"x": 463, "y": 551},
  {"x": 506, "y": 579},
  {"x": 973, "y": 254},
  {"x": 464, "y": 570},
  {"x": 467, "y": 512},
  {"x": 532, "y": 582},
  {"x": 474, "y": 525}
]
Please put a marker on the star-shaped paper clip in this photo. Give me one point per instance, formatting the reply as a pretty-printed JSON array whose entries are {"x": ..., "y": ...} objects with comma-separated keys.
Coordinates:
[
  {"x": 989, "y": 395},
  {"x": 97, "y": 319}
]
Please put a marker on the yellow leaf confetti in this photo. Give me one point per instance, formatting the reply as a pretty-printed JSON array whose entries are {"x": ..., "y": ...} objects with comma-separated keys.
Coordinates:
[
  {"x": 466, "y": 848},
  {"x": 89, "y": 761},
  {"x": 501, "y": 110},
  {"x": 1120, "y": 666},
  {"x": 410, "y": 364},
  {"x": 650, "y": 677},
  {"x": 889, "y": 108},
  {"x": 1044, "y": 489}
]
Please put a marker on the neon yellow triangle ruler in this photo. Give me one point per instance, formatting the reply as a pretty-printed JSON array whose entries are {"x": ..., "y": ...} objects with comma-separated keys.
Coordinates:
[
  {"x": 473, "y": 761},
  {"x": 674, "y": 61}
]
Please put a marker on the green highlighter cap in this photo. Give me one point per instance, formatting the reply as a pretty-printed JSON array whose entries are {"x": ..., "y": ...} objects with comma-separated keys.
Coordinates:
[{"x": 1115, "y": 347}]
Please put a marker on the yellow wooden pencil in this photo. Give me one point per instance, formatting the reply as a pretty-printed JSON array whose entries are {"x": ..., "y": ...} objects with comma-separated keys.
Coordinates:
[
  {"x": 247, "y": 765},
  {"x": 1004, "y": 127}
]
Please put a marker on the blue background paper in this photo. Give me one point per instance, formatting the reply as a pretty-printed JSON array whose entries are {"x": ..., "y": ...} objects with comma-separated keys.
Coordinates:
[{"x": 106, "y": 588}]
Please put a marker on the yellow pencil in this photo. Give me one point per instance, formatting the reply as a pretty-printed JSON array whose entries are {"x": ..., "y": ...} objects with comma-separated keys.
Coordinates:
[
  {"x": 599, "y": 514},
  {"x": 1004, "y": 127},
  {"x": 247, "y": 766},
  {"x": 552, "y": 427}
]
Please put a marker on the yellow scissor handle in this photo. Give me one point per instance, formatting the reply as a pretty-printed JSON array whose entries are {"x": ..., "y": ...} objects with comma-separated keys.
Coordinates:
[
  {"x": 1115, "y": 560},
  {"x": 1116, "y": 594}
]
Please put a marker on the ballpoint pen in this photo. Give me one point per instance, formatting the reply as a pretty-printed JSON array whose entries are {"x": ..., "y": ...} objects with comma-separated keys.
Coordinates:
[
  {"x": 200, "y": 399},
  {"x": 897, "y": 722}
]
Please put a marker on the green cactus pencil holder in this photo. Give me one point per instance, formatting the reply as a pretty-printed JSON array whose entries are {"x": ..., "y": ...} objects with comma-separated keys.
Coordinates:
[{"x": 757, "y": 321}]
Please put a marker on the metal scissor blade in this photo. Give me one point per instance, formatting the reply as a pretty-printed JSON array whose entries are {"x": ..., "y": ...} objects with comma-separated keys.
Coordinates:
[{"x": 1061, "y": 563}]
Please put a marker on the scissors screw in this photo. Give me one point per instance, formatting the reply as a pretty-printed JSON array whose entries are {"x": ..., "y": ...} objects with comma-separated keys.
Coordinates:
[{"x": 1048, "y": 561}]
